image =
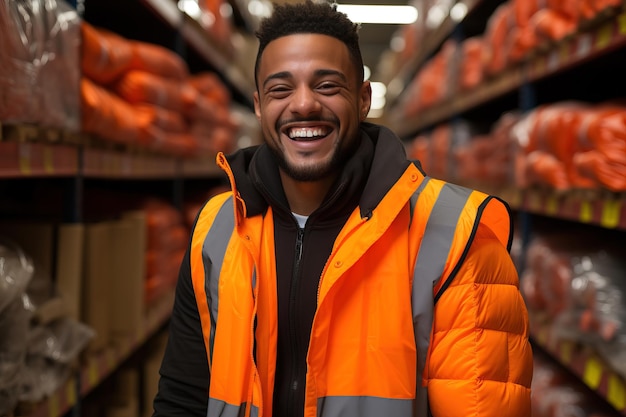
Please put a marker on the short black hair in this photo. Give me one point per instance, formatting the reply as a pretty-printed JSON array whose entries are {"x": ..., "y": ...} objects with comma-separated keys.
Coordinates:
[{"x": 309, "y": 17}]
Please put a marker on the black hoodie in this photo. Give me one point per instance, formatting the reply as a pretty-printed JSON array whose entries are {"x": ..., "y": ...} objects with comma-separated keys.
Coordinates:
[{"x": 301, "y": 255}]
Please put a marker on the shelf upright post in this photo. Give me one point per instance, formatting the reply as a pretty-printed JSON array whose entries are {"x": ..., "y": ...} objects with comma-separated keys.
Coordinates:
[{"x": 527, "y": 102}]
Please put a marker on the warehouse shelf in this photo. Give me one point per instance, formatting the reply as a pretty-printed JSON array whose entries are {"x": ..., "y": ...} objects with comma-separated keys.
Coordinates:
[
  {"x": 584, "y": 363},
  {"x": 202, "y": 43},
  {"x": 600, "y": 208},
  {"x": 98, "y": 366},
  {"x": 594, "y": 40},
  {"x": 34, "y": 152},
  {"x": 430, "y": 44}
]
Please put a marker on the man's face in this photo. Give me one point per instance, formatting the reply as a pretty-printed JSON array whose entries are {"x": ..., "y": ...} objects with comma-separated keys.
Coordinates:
[{"x": 310, "y": 103}]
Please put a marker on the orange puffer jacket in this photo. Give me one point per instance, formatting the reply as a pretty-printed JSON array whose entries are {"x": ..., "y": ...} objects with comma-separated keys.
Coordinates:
[{"x": 418, "y": 308}]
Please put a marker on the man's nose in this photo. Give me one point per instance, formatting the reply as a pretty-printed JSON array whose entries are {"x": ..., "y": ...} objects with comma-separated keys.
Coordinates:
[{"x": 304, "y": 102}]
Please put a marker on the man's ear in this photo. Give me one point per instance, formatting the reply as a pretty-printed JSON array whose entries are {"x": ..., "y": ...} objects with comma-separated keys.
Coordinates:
[
  {"x": 365, "y": 100},
  {"x": 257, "y": 106}
]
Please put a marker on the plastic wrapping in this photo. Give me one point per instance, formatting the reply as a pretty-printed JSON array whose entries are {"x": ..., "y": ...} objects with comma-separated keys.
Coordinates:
[
  {"x": 52, "y": 351},
  {"x": 39, "y": 63},
  {"x": 16, "y": 271},
  {"x": 576, "y": 281}
]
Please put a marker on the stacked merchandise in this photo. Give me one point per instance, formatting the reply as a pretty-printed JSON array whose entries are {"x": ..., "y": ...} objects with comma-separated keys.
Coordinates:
[
  {"x": 215, "y": 19},
  {"x": 560, "y": 146},
  {"x": 142, "y": 96},
  {"x": 39, "y": 345},
  {"x": 573, "y": 285},
  {"x": 514, "y": 30},
  {"x": 39, "y": 64},
  {"x": 167, "y": 239}
]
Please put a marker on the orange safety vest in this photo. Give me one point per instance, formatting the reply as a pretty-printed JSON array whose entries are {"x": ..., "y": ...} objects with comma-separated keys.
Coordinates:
[{"x": 380, "y": 299}]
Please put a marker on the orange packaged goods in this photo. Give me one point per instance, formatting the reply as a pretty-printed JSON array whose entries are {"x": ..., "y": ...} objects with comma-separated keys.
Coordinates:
[
  {"x": 419, "y": 149},
  {"x": 499, "y": 25},
  {"x": 105, "y": 55},
  {"x": 112, "y": 119},
  {"x": 157, "y": 60},
  {"x": 143, "y": 87},
  {"x": 210, "y": 85},
  {"x": 603, "y": 133},
  {"x": 471, "y": 71},
  {"x": 552, "y": 25}
]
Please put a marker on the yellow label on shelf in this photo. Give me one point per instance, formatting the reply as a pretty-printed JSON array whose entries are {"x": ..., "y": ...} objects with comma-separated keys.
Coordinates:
[
  {"x": 586, "y": 212},
  {"x": 592, "y": 373},
  {"x": 552, "y": 205},
  {"x": 611, "y": 212},
  {"x": 48, "y": 160},
  {"x": 616, "y": 393},
  {"x": 24, "y": 158},
  {"x": 92, "y": 374},
  {"x": 566, "y": 352},
  {"x": 71, "y": 392},
  {"x": 53, "y": 406},
  {"x": 621, "y": 22},
  {"x": 604, "y": 35}
]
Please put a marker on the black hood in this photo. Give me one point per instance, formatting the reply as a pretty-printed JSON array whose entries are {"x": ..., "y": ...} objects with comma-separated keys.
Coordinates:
[{"x": 378, "y": 162}]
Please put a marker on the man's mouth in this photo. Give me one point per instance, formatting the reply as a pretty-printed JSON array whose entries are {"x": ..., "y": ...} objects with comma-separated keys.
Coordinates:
[{"x": 305, "y": 133}]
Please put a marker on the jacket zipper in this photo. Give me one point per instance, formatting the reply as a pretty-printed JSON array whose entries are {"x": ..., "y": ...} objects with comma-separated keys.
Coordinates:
[{"x": 294, "y": 383}]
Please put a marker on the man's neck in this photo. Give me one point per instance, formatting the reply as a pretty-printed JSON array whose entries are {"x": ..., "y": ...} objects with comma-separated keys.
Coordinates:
[{"x": 305, "y": 197}]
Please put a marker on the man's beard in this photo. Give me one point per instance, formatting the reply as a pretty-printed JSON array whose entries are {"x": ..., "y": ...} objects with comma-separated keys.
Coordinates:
[{"x": 313, "y": 172}]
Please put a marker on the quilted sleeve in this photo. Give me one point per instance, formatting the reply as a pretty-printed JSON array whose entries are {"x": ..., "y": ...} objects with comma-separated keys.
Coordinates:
[{"x": 480, "y": 359}]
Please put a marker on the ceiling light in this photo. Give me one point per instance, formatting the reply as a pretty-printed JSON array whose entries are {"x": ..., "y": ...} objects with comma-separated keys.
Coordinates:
[
  {"x": 458, "y": 12},
  {"x": 398, "y": 15}
]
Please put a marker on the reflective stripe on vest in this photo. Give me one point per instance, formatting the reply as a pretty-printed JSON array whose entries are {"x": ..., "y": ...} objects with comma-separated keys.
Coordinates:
[
  {"x": 221, "y": 409},
  {"x": 429, "y": 266},
  {"x": 363, "y": 407},
  {"x": 213, "y": 252}
]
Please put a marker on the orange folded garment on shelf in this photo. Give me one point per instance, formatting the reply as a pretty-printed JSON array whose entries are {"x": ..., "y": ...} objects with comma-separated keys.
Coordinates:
[
  {"x": 157, "y": 60},
  {"x": 471, "y": 67},
  {"x": 499, "y": 24},
  {"x": 543, "y": 168},
  {"x": 210, "y": 85},
  {"x": 552, "y": 25},
  {"x": 143, "y": 87},
  {"x": 105, "y": 55}
]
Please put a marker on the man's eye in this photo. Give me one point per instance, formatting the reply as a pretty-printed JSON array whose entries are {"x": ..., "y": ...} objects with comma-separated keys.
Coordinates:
[{"x": 328, "y": 88}]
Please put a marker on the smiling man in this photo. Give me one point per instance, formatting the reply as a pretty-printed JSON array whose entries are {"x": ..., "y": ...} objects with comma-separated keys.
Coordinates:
[{"x": 336, "y": 278}]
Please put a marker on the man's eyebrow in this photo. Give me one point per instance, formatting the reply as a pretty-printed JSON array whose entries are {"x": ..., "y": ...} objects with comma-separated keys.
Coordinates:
[
  {"x": 325, "y": 72},
  {"x": 318, "y": 73},
  {"x": 277, "y": 76}
]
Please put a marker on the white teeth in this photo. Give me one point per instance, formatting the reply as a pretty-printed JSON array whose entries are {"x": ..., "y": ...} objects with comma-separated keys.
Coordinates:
[{"x": 305, "y": 133}]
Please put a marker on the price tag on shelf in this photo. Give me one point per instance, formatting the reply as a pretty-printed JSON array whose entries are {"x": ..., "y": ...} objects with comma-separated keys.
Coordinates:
[
  {"x": 586, "y": 211},
  {"x": 592, "y": 373},
  {"x": 24, "y": 156},
  {"x": 48, "y": 160},
  {"x": 92, "y": 373},
  {"x": 604, "y": 36},
  {"x": 611, "y": 212},
  {"x": 566, "y": 352},
  {"x": 70, "y": 392},
  {"x": 621, "y": 22},
  {"x": 552, "y": 205},
  {"x": 54, "y": 410},
  {"x": 616, "y": 393}
]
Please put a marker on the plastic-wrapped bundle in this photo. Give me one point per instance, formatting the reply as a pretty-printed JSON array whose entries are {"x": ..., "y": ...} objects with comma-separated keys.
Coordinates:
[
  {"x": 471, "y": 71},
  {"x": 499, "y": 25},
  {"x": 577, "y": 282},
  {"x": 39, "y": 64},
  {"x": 602, "y": 136},
  {"x": 16, "y": 272}
]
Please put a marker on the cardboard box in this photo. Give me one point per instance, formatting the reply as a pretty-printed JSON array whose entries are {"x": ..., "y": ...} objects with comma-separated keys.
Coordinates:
[
  {"x": 69, "y": 266},
  {"x": 96, "y": 289},
  {"x": 128, "y": 248}
]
